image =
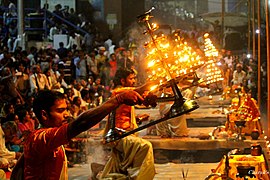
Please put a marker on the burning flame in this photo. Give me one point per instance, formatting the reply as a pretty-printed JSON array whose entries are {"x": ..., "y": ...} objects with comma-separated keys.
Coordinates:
[{"x": 171, "y": 57}]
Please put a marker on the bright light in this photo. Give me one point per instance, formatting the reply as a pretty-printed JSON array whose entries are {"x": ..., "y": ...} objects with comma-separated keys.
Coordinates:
[
  {"x": 257, "y": 31},
  {"x": 248, "y": 55},
  {"x": 171, "y": 57},
  {"x": 153, "y": 87}
]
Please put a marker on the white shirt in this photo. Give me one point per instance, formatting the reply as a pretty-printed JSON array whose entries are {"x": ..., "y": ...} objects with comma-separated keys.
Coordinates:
[
  {"x": 4, "y": 152},
  {"x": 238, "y": 78},
  {"x": 42, "y": 82}
]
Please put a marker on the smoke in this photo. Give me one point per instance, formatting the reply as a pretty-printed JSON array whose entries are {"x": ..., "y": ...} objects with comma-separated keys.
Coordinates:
[
  {"x": 136, "y": 36},
  {"x": 96, "y": 153}
]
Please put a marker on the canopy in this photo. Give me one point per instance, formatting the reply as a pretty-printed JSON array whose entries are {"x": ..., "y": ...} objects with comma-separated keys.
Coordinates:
[{"x": 230, "y": 19}]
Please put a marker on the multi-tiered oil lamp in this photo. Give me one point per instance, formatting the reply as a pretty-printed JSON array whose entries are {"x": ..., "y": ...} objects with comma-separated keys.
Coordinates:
[{"x": 168, "y": 60}]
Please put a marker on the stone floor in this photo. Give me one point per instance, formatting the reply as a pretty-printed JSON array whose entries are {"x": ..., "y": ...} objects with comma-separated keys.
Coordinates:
[{"x": 168, "y": 171}]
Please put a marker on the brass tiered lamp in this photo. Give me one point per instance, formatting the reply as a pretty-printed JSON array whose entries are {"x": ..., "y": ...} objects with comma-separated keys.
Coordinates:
[{"x": 169, "y": 59}]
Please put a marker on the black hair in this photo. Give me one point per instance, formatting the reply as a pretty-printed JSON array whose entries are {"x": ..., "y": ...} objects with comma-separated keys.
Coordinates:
[
  {"x": 121, "y": 73},
  {"x": 44, "y": 100},
  {"x": 75, "y": 99},
  {"x": 21, "y": 114},
  {"x": 9, "y": 117},
  {"x": 6, "y": 107},
  {"x": 61, "y": 44},
  {"x": 84, "y": 93}
]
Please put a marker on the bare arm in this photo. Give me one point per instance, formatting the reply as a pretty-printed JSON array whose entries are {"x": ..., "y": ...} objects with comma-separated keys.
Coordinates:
[{"x": 93, "y": 116}]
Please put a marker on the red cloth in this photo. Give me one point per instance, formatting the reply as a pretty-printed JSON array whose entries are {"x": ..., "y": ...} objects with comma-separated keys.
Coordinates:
[{"x": 44, "y": 156}]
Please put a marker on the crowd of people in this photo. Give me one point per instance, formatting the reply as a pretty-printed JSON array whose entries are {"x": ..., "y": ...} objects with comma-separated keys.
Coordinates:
[
  {"x": 84, "y": 79},
  {"x": 240, "y": 71},
  {"x": 83, "y": 71}
]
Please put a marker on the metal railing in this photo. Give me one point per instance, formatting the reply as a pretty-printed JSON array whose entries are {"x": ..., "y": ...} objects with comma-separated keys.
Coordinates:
[{"x": 44, "y": 14}]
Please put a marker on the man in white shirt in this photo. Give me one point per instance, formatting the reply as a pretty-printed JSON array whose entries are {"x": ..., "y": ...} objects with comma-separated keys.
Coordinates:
[
  {"x": 38, "y": 80},
  {"x": 239, "y": 76}
]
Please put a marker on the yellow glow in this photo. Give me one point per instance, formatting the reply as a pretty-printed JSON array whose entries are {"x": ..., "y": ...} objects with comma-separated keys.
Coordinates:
[
  {"x": 153, "y": 87},
  {"x": 174, "y": 55},
  {"x": 151, "y": 63}
]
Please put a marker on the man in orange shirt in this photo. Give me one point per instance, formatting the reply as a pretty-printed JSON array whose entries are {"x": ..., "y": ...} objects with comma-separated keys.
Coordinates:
[
  {"x": 44, "y": 155},
  {"x": 132, "y": 156}
]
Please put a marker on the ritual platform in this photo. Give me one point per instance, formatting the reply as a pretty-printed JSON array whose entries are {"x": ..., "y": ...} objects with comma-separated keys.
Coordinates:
[{"x": 193, "y": 152}]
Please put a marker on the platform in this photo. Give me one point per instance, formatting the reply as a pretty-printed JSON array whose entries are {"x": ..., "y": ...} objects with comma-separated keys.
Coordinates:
[{"x": 174, "y": 154}]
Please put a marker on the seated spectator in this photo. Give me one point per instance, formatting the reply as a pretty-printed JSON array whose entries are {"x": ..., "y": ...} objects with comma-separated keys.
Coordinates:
[
  {"x": 12, "y": 138},
  {"x": 69, "y": 94},
  {"x": 8, "y": 108},
  {"x": 239, "y": 76},
  {"x": 54, "y": 56},
  {"x": 74, "y": 87},
  {"x": 38, "y": 80},
  {"x": 47, "y": 73},
  {"x": 26, "y": 123},
  {"x": 9, "y": 91},
  {"x": 97, "y": 90},
  {"x": 31, "y": 55},
  {"x": 7, "y": 158},
  {"x": 86, "y": 100},
  {"x": 22, "y": 81},
  {"x": 76, "y": 109}
]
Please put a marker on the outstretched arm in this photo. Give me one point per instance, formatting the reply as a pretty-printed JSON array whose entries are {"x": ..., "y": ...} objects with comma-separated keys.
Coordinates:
[{"x": 93, "y": 116}]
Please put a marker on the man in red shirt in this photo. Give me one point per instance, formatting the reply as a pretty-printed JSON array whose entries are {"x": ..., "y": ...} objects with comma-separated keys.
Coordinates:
[{"x": 44, "y": 155}]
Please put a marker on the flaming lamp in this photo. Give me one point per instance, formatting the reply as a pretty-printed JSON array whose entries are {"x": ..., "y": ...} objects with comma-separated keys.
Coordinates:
[{"x": 170, "y": 59}]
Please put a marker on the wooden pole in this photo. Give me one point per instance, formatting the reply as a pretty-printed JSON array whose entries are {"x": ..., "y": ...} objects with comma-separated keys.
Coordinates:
[
  {"x": 249, "y": 26},
  {"x": 259, "y": 50},
  {"x": 222, "y": 22},
  {"x": 253, "y": 31},
  {"x": 268, "y": 62}
]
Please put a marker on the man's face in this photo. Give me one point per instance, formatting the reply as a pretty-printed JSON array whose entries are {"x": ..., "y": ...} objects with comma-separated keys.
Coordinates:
[
  {"x": 113, "y": 57},
  {"x": 7, "y": 71},
  {"x": 38, "y": 70},
  {"x": 129, "y": 81},
  {"x": 101, "y": 52},
  {"x": 81, "y": 54},
  {"x": 58, "y": 113},
  {"x": 11, "y": 109},
  {"x": 27, "y": 117},
  {"x": 239, "y": 69},
  {"x": 21, "y": 68}
]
